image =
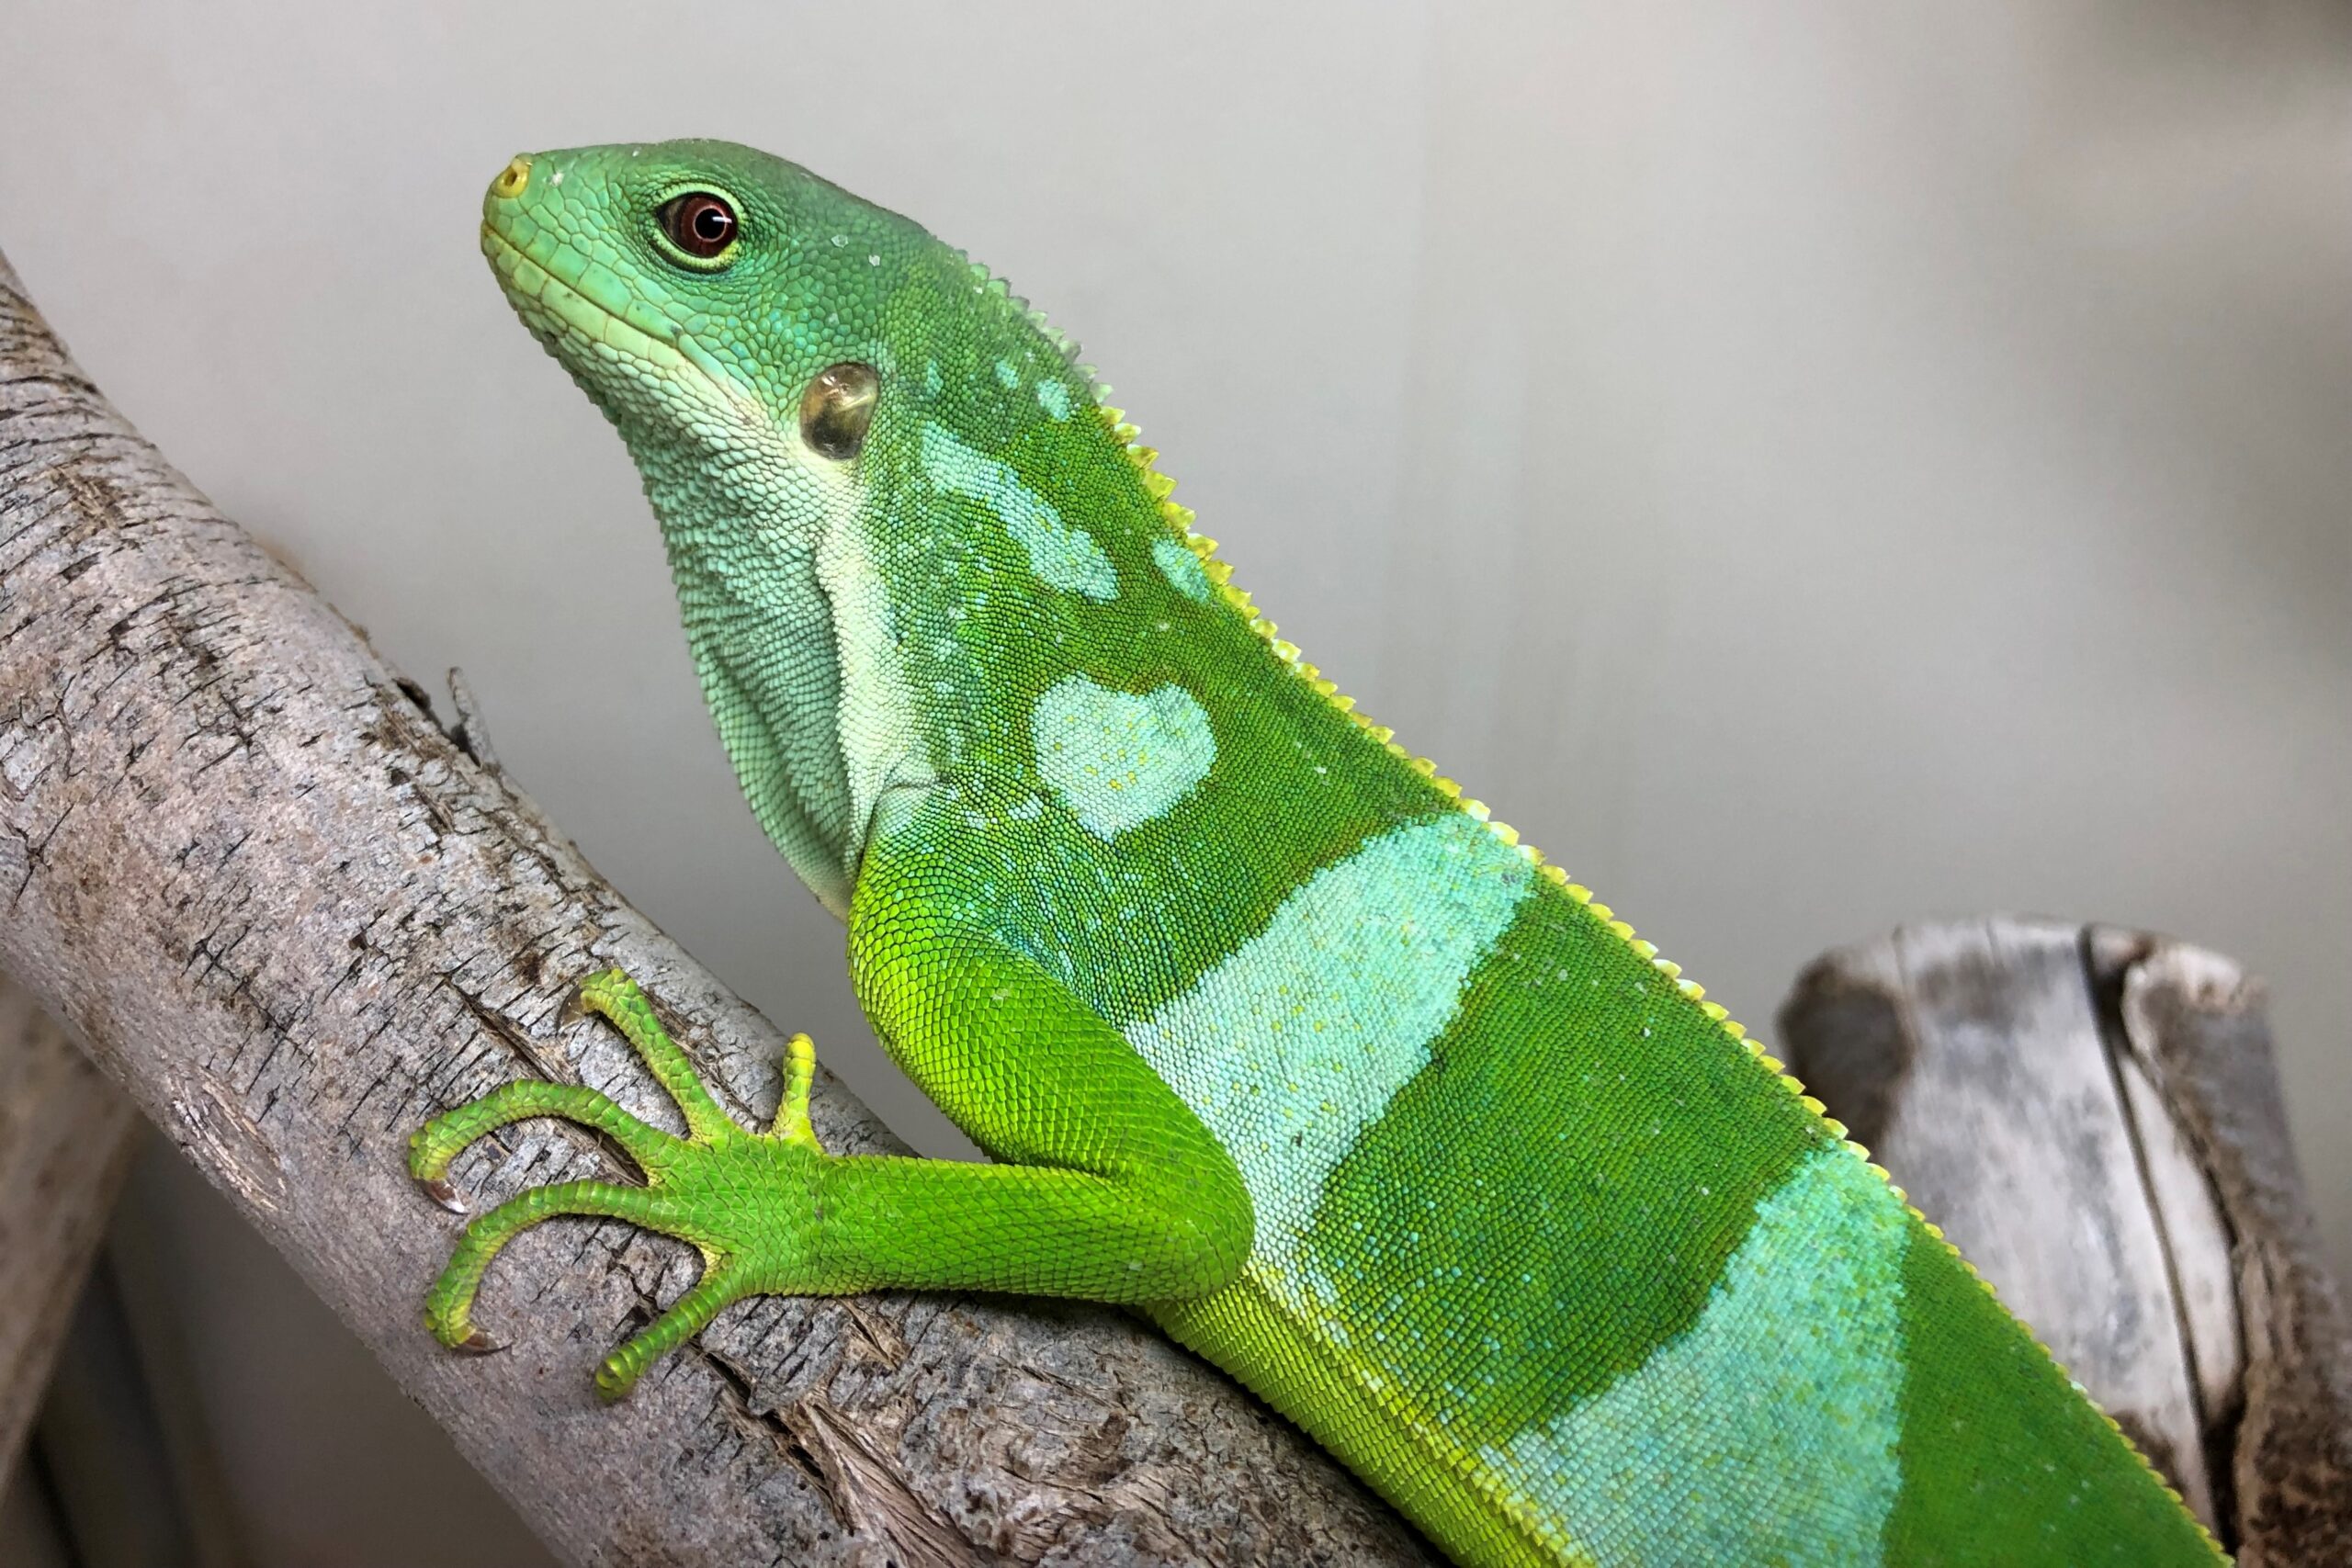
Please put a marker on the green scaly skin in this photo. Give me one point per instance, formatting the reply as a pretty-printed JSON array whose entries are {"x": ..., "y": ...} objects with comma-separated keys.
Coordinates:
[{"x": 1269, "y": 1030}]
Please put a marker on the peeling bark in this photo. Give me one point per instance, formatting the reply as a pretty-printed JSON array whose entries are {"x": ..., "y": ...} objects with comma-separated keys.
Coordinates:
[{"x": 294, "y": 918}]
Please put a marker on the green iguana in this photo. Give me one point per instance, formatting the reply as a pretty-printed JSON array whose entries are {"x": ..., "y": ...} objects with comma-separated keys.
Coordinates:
[{"x": 1271, "y": 1031}]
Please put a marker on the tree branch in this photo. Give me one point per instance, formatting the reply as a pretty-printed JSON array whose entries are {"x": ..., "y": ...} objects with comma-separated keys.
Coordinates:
[{"x": 294, "y": 919}]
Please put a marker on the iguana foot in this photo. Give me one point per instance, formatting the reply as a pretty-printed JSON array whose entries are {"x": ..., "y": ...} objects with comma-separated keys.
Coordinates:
[{"x": 746, "y": 1199}]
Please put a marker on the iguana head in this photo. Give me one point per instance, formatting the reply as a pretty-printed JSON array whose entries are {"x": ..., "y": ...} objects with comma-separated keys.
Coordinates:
[
  {"x": 698, "y": 291},
  {"x": 894, "y": 512}
]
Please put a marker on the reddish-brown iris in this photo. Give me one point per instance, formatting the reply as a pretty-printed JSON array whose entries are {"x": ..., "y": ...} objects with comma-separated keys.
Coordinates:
[{"x": 699, "y": 223}]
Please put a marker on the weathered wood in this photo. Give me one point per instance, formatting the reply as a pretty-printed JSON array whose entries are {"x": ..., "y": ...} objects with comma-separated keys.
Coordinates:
[
  {"x": 2093, "y": 1115},
  {"x": 2193, "y": 1025},
  {"x": 64, "y": 1146},
  {"x": 294, "y": 918}
]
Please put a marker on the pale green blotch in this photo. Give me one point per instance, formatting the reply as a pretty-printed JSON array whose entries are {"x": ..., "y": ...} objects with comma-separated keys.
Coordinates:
[
  {"x": 1296, "y": 1043},
  {"x": 1005, "y": 374},
  {"x": 1183, "y": 568},
  {"x": 1053, "y": 396},
  {"x": 1118, "y": 760},
  {"x": 1061, "y": 555},
  {"x": 1767, "y": 1431}
]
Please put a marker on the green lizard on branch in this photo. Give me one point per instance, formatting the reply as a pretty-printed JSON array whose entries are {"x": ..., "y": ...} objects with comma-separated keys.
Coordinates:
[{"x": 1271, "y": 1031}]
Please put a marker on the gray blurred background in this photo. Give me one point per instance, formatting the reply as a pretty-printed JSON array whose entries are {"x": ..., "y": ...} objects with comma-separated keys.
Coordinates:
[{"x": 1806, "y": 466}]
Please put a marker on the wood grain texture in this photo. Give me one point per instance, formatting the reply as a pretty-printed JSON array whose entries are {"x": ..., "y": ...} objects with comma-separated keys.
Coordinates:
[
  {"x": 65, "y": 1144},
  {"x": 2093, "y": 1115},
  {"x": 294, "y": 917}
]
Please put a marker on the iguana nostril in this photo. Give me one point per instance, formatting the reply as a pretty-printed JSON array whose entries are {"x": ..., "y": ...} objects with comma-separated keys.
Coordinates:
[{"x": 512, "y": 178}]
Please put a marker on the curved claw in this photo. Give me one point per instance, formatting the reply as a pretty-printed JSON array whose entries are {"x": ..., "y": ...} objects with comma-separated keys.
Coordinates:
[
  {"x": 439, "y": 1189},
  {"x": 477, "y": 1343}
]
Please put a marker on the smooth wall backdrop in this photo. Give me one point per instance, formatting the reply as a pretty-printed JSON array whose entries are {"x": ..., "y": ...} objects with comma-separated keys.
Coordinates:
[{"x": 1807, "y": 466}]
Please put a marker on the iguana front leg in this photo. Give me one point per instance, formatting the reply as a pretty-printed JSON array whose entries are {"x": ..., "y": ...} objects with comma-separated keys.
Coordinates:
[{"x": 1117, "y": 1192}]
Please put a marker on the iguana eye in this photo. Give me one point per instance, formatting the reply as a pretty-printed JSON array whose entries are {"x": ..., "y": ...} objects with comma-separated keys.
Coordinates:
[
  {"x": 699, "y": 223},
  {"x": 836, "y": 408}
]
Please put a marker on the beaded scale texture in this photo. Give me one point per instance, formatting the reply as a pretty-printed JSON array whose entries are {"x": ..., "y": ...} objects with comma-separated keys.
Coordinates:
[{"x": 1269, "y": 1030}]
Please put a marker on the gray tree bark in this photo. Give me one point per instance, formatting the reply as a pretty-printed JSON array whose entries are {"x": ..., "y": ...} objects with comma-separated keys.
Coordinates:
[
  {"x": 293, "y": 918},
  {"x": 2093, "y": 1115}
]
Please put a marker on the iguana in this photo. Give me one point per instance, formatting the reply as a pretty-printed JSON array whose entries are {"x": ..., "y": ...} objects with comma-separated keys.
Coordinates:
[{"x": 1272, "y": 1033}]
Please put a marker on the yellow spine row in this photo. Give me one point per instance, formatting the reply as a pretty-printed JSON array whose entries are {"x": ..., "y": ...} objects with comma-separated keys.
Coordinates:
[{"x": 1181, "y": 518}]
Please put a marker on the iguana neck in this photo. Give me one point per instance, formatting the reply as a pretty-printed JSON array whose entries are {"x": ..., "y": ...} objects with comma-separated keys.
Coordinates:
[{"x": 766, "y": 646}]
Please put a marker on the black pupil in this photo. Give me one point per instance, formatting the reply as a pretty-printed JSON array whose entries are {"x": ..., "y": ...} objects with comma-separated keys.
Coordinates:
[{"x": 701, "y": 224}]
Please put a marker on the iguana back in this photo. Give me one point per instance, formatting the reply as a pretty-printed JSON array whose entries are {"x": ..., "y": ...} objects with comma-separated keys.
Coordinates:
[{"x": 1271, "y": 1031}]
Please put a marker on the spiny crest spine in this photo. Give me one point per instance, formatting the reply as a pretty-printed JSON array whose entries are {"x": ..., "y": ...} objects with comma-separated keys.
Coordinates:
[
  {"x": 1180, "y": 520},
  {"x": 987, "y": 282}
]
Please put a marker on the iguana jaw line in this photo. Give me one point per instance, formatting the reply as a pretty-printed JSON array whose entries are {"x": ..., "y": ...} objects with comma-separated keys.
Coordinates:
[{"x": 557, "y": 311}]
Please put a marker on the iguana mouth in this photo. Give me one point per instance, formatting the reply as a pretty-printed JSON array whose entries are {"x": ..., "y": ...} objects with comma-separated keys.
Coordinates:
[
  {"x": 530, "y": 280},
  {"x": 565, "y": 314}
]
